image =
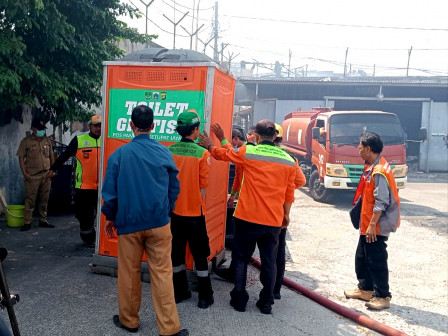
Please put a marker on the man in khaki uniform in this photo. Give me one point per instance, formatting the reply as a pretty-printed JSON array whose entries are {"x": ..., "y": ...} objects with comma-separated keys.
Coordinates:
[{"x": 35, "y": 157}]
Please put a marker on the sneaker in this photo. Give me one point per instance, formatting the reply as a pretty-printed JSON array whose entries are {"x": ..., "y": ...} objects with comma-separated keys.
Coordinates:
[
  {"x": 359, "y": 294},
  {"x": 264, "y": 308},
  {"x": 118, "y": 324},
  {"x": 204, "y": 304},
  {"x": 183, "y": 332},
  {"x": 181, "y": 297},
  {"x": 45, "y": 224},
  {"x": 277, "y": 296},
  {"x": 377, "y": 303}
]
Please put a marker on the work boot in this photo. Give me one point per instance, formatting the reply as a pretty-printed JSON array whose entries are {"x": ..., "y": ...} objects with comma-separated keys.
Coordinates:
[
  {"x": 205, "y": 292},
  {"x": 45, "y": 224},
  {"x": 359, "y": 294},
  {"x": 25, "y": 227},
  {"x": 204, "y": 304},
  {"x": 183, "y": 332},
  {"x": 225, "y": 273},
  {"x": 264, "y": 307},
  {"x": 180, "y": 284},
  {"x": 377, "y": 303}
]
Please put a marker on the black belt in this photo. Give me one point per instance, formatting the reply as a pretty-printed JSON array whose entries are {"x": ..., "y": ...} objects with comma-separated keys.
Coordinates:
[{"x": 39, "y": 172}]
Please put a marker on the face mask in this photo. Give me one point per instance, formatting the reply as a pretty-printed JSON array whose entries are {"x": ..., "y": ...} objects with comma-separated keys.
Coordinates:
[{"x": 40, "y": 133}]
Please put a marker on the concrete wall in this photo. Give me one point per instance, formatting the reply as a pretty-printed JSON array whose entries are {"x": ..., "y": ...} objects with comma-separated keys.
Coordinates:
[{"x": 11, "y": 179}]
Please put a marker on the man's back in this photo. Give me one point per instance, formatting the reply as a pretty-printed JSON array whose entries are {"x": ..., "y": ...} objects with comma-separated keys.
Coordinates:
[
  {"x": 268, "y": 182},
  {"x": 144, "y": 181}
]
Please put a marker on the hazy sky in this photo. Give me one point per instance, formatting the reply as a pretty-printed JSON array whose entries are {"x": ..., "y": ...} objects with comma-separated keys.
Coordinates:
[{"x": 316, "y": 33}]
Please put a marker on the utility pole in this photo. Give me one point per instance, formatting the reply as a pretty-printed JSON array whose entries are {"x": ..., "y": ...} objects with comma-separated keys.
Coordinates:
[
  {"x": 175, "y": 25},
  {"x": 409, "y": 59},
  {"x": 289, "y": 62},
  {"x": 374, "y": 66},
  {"x": 197, "y": 24},
  {"x": 345, "y": 63},
  {"x": 146, "y": 16},
  {"x": 191, "y": 35},
  {"x": 215, "y": 53}
]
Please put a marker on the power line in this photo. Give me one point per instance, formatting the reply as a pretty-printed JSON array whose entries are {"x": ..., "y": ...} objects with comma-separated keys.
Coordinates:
[
  {"x": 177, "y": 10},
  {"x": 335, "y": 24},
  {"x": 185, "y": 7}
]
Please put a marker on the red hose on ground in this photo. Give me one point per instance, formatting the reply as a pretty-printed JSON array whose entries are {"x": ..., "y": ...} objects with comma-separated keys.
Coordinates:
[{"x": 341, "y": 310}]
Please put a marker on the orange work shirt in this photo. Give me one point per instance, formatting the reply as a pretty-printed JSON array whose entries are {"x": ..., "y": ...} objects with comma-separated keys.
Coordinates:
[
  {"x": 193, "y": 163},
  {"x": 268, "y": 181}
]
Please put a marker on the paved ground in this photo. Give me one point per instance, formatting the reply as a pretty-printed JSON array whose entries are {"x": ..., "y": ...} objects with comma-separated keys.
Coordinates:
[
  {"x": 61, "y": 296},
  {"x": 322, "y": 244}
]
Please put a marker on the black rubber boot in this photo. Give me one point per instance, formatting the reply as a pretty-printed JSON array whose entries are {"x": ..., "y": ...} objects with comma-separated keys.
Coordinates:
[
  {"x": 205, "y": 292},
  {"x": 180, "y": 283}
]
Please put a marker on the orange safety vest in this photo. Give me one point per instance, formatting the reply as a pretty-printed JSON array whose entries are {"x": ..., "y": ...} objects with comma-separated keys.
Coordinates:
[
  {"x": 87, "y": 162},
  {"x": 368, "y": 199}
]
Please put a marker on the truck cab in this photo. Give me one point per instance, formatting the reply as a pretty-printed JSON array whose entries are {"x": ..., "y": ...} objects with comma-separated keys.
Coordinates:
[{"x": 328, "y": 150}]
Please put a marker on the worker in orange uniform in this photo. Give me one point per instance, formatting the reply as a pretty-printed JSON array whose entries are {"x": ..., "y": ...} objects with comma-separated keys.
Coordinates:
[
  {"x": 87, "y": 152},
  {"x": 188, "y": 217},
  {"x": 266, "y": 196},
  {"x": 380, "y": 215},
  {"x": 299, "y": 181}
]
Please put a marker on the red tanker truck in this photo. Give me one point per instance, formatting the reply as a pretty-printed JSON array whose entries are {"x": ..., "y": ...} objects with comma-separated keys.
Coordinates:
[{"x": 325, "y": 142}]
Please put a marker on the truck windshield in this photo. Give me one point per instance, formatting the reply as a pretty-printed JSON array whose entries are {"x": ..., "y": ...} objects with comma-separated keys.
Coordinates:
[{"x": 347, "y": 128}]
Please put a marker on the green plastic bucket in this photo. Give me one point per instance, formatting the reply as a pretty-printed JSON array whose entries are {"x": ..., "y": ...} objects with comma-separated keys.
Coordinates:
[{"x": 14, "y": 215}]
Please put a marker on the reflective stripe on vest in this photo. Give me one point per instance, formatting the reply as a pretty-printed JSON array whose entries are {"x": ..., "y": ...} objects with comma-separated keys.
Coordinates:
[
  {"x": 368, "y": 198},
  {"x": 87, "y": 162},
  {"x": 269, "y": 153}
]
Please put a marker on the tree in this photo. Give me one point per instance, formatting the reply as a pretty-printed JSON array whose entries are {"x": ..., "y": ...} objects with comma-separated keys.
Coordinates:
[{"x": 51, "y": 54}]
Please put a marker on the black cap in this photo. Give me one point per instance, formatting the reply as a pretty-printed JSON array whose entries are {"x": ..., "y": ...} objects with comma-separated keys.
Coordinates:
[{"x": 38, "y": 123}]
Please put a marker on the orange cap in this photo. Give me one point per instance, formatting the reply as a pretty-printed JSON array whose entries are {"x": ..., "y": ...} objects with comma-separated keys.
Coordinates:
[{"x": 96, "y": 119}]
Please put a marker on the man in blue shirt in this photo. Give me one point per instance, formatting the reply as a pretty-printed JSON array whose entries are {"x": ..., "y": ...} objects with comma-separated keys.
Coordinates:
[{"x": 142, "y": 178}]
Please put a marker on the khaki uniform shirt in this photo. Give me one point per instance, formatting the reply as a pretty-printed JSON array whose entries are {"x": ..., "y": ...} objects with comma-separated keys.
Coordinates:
[{"x": 36, "y": 152}]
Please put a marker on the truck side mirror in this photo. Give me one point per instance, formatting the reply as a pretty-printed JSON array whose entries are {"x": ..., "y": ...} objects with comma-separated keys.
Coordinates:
[
  {"x": 316, "y": 133},
  {"x": 423, "y": 134}
]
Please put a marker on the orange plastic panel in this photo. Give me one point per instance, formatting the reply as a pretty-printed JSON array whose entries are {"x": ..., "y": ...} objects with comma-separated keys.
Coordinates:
[{"x": 185, "y": 79}]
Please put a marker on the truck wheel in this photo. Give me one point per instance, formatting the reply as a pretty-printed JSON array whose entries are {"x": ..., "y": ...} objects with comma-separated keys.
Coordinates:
[{"x": 317, "y": 190}]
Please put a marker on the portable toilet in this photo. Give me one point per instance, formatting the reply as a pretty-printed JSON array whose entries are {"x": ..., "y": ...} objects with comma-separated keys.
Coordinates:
[{"x": 170, "y": 82}]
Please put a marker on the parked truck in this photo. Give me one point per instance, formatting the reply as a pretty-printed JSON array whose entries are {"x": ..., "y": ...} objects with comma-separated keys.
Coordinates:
[{"x": 325, "y": 142}]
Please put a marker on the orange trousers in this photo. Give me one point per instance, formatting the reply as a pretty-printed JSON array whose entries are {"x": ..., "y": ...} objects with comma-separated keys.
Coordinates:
[{"x": 157, "y": 245}]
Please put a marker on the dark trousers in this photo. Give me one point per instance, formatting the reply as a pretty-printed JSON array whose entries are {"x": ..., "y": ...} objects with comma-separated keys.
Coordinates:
[
  {"x": 371, "y": 266},
  {"x": 281, "y": 261},
  {"x": 86, "y": 202},
  {"x": 247, "y": 235},
  {"x": 194, "y": 231}
]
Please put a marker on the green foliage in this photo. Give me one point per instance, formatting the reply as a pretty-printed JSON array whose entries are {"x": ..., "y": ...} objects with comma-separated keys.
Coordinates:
[{"x": 51, "y": 54}]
